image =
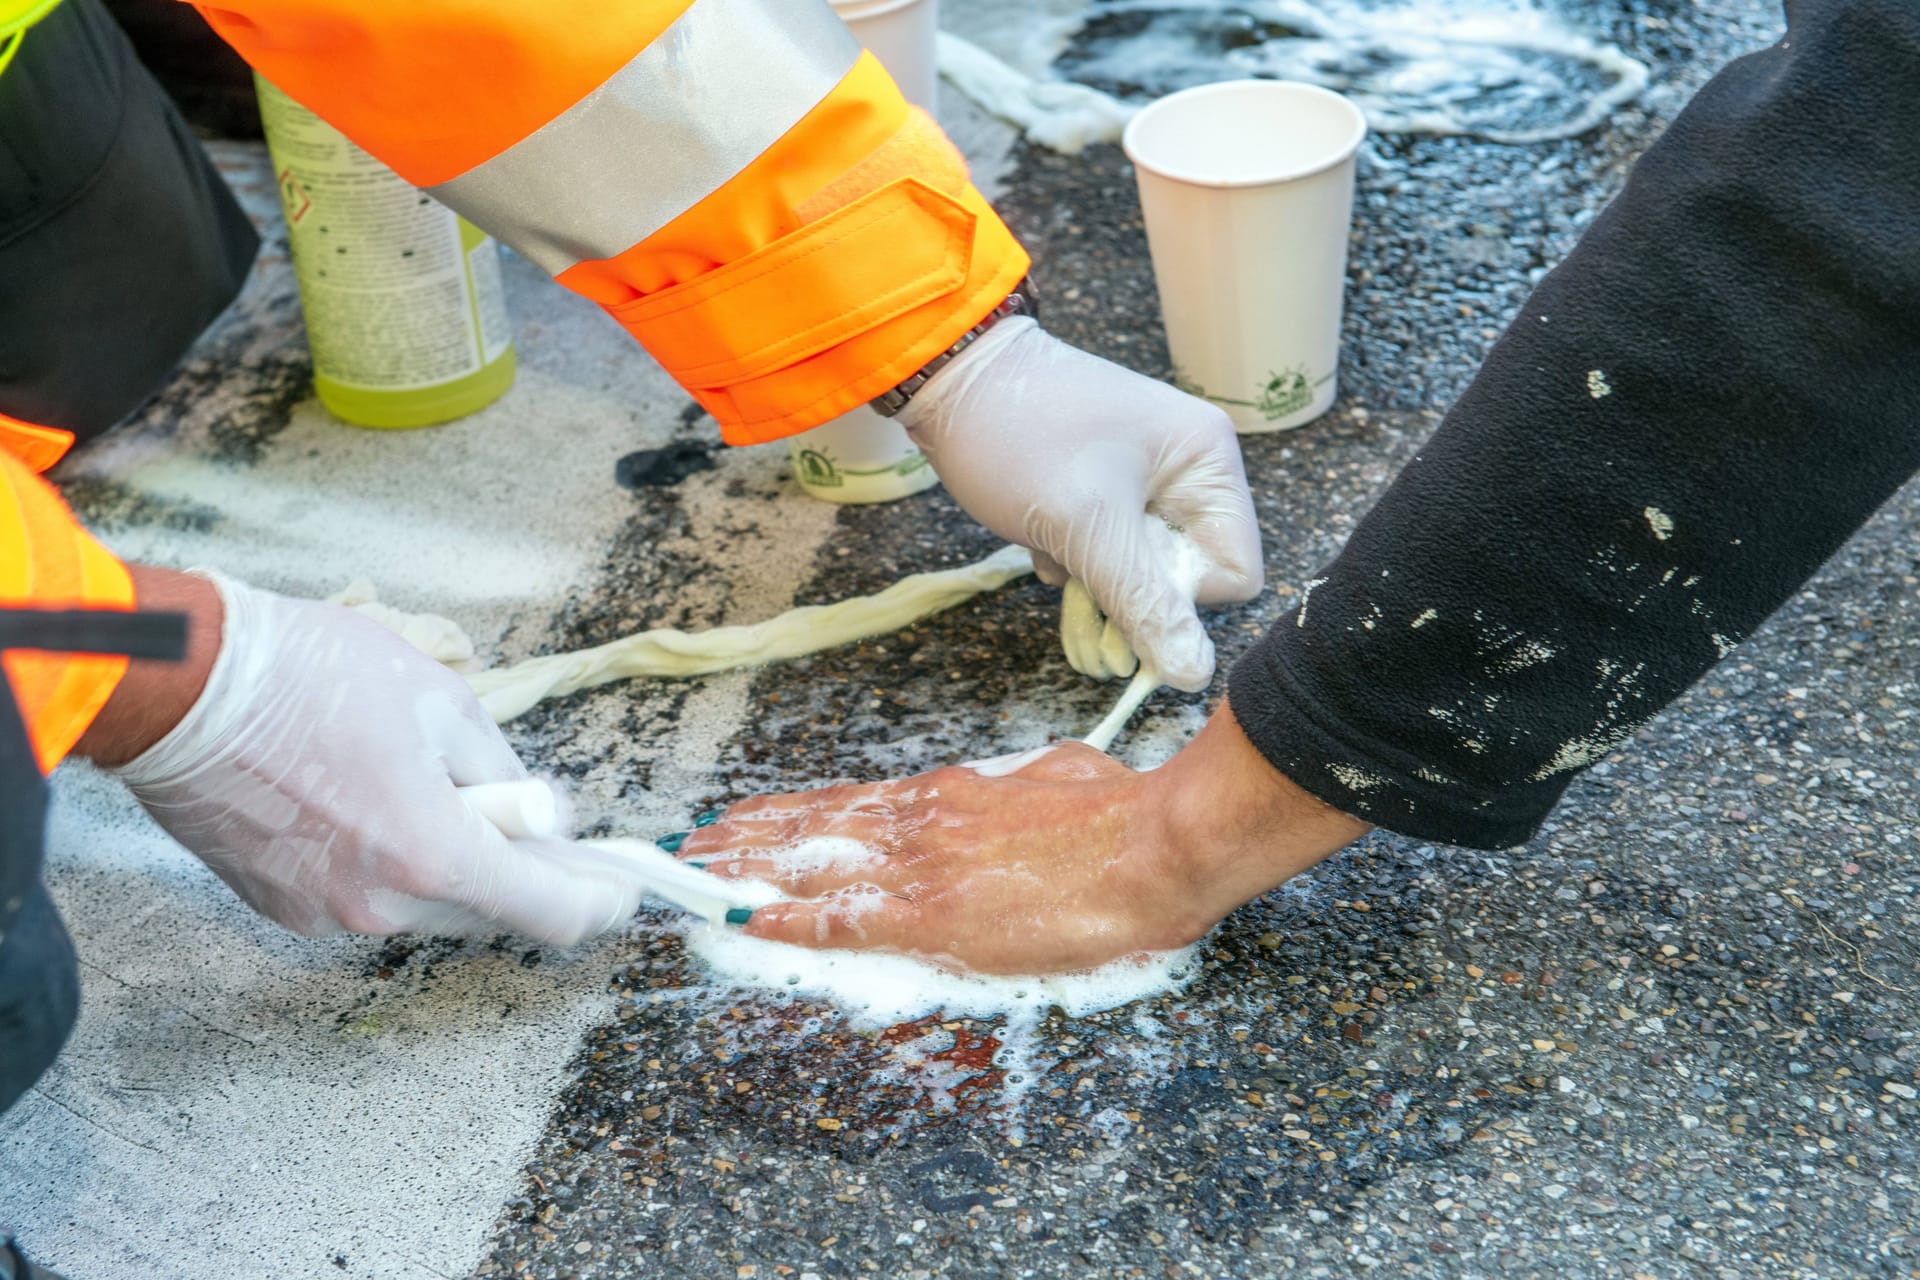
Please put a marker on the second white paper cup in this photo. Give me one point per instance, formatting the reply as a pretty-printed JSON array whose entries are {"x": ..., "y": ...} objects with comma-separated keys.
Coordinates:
[
  {"x": 1247, "y": 190},
  {"x": 859, "y": 457},
  {"x": 901, "y": 34}
]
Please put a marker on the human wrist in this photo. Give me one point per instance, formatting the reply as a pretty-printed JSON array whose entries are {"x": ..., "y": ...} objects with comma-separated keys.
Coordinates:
[
  {"x": 1020, "y": 304},
  {"x": 1234, "y": 826},
  {"x": 152, "y": 697}
]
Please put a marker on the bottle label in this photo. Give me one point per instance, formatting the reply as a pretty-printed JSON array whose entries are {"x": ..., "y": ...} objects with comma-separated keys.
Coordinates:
[{"x": 394, "y": 301}]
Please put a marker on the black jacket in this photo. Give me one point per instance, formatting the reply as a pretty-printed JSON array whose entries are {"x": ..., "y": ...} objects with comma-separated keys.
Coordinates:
[
  {"x": 119, "y": 242},
  {"x": 39, "y": 983},
  {"x": 1719, "y": 385}
]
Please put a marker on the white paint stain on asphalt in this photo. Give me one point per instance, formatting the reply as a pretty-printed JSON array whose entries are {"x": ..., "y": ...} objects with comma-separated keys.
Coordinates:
[{"x": 238, "y": 1101}]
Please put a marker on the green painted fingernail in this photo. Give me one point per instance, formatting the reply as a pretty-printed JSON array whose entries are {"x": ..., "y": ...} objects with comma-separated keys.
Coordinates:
[
  {"x": 697, "y": 866},
  {"x": 708, "y": 818},
  {"x": 739, "y": 915},
  {"x": 671, "y": 843}
]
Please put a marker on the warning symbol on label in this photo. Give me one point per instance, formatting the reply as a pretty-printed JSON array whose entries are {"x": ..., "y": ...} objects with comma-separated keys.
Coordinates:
[{"x": 293, "y": 197}]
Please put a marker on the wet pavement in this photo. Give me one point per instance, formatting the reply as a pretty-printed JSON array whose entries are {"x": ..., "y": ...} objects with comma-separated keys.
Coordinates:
[{"x": 1671, "y": 1036}]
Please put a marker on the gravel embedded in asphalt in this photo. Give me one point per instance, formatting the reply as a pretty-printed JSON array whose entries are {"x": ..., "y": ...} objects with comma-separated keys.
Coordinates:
[{"x": 1672, "y": 1035}]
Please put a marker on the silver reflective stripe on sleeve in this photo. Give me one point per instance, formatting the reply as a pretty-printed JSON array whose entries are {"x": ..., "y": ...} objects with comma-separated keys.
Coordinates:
[{"x": 713, "y": 91}]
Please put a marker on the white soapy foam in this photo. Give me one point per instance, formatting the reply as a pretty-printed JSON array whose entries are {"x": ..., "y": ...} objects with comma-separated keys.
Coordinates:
[
  {"x": 879, "y": 990},
  {"x": 1112, "y": 1125},
  {"x": 846, "y": 908},
  {"x": 1001, "y": 766},
  {"x": 817, "y": 855},
  {"x": 1054, "y": 113},
  {"x": 1504, "y": 71},
  {"x": 920, "y": 1062}
]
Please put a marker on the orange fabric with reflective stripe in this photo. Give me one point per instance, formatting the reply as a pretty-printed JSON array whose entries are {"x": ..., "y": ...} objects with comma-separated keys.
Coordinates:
[
  {"x": 48, "y": 561},
  {"x": 916, "y": 147},
  {"x": 863, "y": 136},
  {"x": 818, "y": 389},
  {"x": 952, "y": 261},
  {"x": 38, "y": 447},
  {"x": 435, "y": 87},
  {"x": 486, "y": 74},
  {"x": 762, "y": 202},
  {"x": 802, "y": 294}
]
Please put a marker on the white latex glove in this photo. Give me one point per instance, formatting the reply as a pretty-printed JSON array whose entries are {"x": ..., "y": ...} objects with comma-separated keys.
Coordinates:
[
  {"x": 1089, "y": 465},
  {"x": 316, "y": 775}
]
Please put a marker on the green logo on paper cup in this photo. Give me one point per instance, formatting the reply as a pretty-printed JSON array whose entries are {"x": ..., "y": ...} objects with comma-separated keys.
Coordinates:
[
  {"x": 1285, "y": 393},
  {"x": 915, "y": 461},
  {"x": 817, "y": 470}
]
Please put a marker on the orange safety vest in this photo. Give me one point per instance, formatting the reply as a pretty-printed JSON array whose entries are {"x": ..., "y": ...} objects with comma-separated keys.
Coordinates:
[
  {"x": 48, "y": 561},
  {"x": 735, "y": 181}
]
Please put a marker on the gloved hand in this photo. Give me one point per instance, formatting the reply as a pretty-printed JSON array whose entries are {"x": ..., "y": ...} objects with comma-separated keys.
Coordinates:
[
  {"x": 316, "y": 774},
  {"x": 1090, "y": 465}
]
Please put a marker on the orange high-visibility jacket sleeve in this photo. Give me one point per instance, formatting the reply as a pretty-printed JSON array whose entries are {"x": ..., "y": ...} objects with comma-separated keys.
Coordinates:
[
  {"x": 735, "y": 181},
  {"x": 47, "y": 561}
]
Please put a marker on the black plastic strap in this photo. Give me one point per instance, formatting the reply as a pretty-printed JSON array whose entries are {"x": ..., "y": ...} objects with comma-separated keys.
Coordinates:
[{"x": 137, "y": 635}]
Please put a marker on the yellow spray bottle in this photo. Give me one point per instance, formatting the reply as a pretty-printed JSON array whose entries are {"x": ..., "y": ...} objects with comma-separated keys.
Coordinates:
[
  {"x": 15, "y": 17},
  {"x": 406, "y": 316}
]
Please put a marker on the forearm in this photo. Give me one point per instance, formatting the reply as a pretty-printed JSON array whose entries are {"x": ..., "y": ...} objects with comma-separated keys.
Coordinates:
[
  {"x": 1235, "y": 827},
  {"x": 153, "y": 696},
  {"x": 1689, "y": 416}
]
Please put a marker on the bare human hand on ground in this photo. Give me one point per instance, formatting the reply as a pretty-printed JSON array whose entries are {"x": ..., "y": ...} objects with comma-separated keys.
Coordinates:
[{"x": 1067, "y": 862}]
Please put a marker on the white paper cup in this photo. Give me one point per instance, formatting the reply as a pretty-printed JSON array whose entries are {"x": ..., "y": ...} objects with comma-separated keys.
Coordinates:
[
  {"x": 859, "y": 457},
  {"x": 1247, "y": 188},
  {"x": 901, "y": 34}
]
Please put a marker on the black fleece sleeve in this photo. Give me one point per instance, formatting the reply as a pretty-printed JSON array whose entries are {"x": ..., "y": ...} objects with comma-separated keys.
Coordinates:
[{"x": 1693, "y": 412}]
